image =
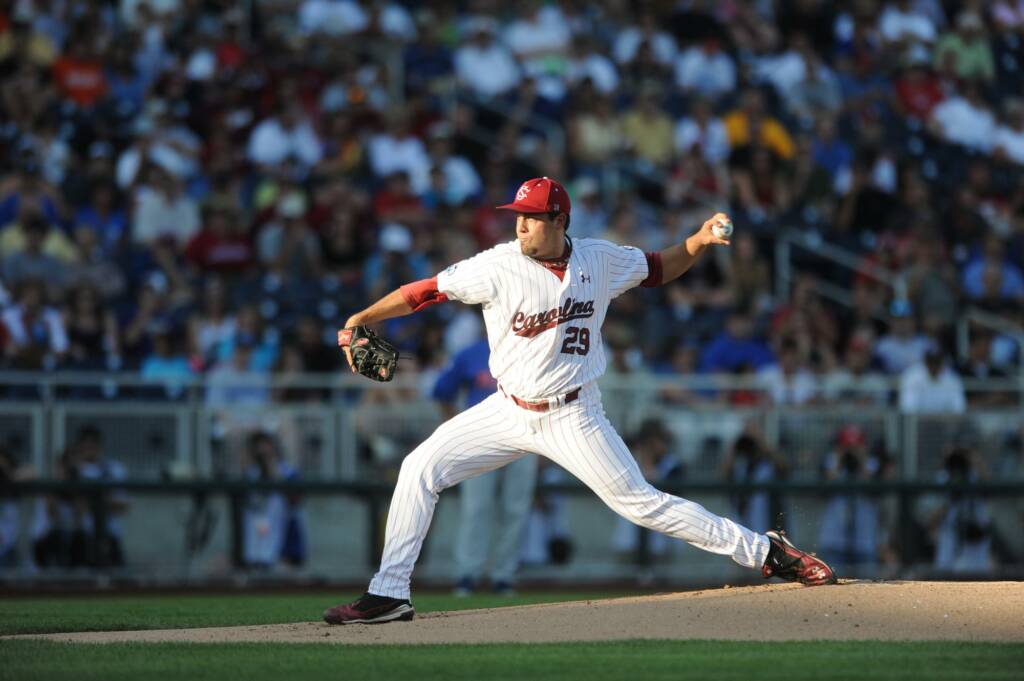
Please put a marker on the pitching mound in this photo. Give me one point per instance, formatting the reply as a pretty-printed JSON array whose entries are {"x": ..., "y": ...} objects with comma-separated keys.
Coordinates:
[{"x": 896, "y": 611}]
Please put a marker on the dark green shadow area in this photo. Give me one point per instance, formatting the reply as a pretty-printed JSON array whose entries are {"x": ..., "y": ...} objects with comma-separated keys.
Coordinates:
[{"x": 647, "y": 660}]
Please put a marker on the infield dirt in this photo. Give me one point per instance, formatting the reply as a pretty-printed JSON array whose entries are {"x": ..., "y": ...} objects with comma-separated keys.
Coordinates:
[{"x": 853, "y": 610}]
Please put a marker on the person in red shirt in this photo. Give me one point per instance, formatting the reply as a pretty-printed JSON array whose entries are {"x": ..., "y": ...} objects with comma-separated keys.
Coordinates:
[
  {"x": 79, "y": 74},
  {"x": 221, "y": 245},
  {"x": 917, "y": 89}
]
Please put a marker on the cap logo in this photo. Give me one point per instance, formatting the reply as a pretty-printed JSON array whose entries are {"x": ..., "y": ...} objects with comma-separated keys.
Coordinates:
[{"x": 524, "y": 189}]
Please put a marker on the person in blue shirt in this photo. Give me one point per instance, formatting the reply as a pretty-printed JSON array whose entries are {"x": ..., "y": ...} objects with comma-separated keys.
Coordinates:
[{"x": 494, "y": 506}]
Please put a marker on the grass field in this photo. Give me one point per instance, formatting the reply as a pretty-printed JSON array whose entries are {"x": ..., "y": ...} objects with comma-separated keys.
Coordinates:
[{"x": 27, "y": 660}]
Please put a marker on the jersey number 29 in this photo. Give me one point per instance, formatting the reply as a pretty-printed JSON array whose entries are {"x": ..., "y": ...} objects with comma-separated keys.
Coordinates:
[{"x": 577, "y": 340}]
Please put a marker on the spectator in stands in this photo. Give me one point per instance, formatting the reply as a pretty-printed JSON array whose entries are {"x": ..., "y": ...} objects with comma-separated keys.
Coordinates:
[
  {"x": 154, "y": 309},
  {"x": 167, "y": 365},
  {"x": 652, "y": 447},
  {"x": 856, "y": 381},
  {"x": 10, "y": 531},
  {"x": 994, "y": 263},
  {"x": 31, "y": 261},
  {"x": 287, "y": 246},
  {"x": 398, "y": 150},
  {"x": 750, "y": 460},
  {"x": 645, "y": 33},
  {"x": 461, "y": 181},
  {"x": 589, "y": 218},
  {"x": 735, "y": 347},
  {"x": 965, "y": 119},
  {"x": 961, "y": 525},
  {"x": 647, "y": 132},
  {"x": 978, "y": 366},
  {"x": 965, "y": 53},
  {"x": 703, "y": 130},
  {"x": 162, "y": 209},
  {"x": 751, "y": 125},
  {"x": 36, "y": 332},
  {"x": 595, "y": 135},
  {"x": 931, "y": 387},
  {"x": 93, "y": 267},
  {"x": 92, "y": 463},
  {"x": 93, "y": 335},
  {"x": 901, "y": 23},
  {"x": 917, "y": 89},
  {"x": 249, "y": 331},
  {"x": 1009, "y": 138},
  {"x": 809, "y": 88},
  {"x": 903, "y": 346},
  {"x": 393, "y": 263},
  {"x": 274, "y": 524},
  {"x": 851, "y": 525},
  {"x": 706, "y": 69},
  {"x": 287, "y": 136},
  {"x": 789, "y": 381},
  {"x": 762, "y": 189},
  {"x": 587, "y": 61},
  {"x": 78, "y": 73},
  {"x": 483, "y": 65},
  {"x": 931, "y": 279},
  {"x": 221, "y": 246}
]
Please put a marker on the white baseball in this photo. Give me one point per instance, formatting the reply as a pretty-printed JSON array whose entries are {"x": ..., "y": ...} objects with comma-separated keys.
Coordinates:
[{"x": 723, "y": 229}]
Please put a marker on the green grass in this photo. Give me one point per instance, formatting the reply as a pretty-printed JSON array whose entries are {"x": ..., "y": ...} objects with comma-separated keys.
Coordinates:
[
  {"x": 646, "y": 660},
  {"x": 112, "y": 613}
]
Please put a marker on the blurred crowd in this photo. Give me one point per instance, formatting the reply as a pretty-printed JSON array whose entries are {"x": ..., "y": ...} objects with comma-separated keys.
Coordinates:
[{"x": 201, "y": 187}]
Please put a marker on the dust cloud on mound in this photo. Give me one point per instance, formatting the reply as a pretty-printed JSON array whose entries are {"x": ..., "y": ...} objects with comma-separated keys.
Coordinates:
[{"x": 893, "y": 611}]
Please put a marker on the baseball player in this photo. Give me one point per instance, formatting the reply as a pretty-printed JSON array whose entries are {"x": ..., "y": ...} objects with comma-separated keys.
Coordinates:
[
  {"x": 544, "y": 297},
  {"x": 493, "y": 505}
]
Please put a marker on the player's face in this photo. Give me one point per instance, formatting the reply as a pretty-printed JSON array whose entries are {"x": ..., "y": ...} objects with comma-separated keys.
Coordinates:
[{"x": 540, "y": 236}]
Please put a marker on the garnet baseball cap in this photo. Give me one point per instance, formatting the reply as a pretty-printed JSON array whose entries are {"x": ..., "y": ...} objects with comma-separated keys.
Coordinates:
[{"x": 540, "y": 195}]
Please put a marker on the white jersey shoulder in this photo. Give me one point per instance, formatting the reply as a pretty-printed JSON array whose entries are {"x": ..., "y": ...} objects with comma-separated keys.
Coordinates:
[
  {"x": 473, "y": 281},
  {"x": 624, "y": 267}
]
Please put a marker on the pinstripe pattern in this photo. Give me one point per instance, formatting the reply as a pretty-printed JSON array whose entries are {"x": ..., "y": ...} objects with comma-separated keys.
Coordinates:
[{"x": 576, "y": 436}]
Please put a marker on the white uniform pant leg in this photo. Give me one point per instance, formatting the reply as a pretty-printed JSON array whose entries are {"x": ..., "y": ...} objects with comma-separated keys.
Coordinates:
[
  {"x": 518, "y": 480},
  {"x": 474, "y": 442},
  {"x": 580, "y": 438},
  {"x": 477, "y": 515}
]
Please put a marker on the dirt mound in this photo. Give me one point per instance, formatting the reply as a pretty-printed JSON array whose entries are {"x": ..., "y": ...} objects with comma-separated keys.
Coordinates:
[{"x": 895, "y": 611}]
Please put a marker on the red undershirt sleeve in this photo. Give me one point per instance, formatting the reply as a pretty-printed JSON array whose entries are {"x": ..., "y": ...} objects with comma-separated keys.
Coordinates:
[
  {"x": 653, "y": 271},
  {"x": 421, "y": 294}
]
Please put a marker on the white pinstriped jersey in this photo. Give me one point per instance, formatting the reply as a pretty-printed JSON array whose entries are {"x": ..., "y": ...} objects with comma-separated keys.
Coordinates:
[{"x": 545, "y": 334}]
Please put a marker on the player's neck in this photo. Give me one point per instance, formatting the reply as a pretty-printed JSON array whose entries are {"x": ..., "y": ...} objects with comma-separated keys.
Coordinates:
[{"x": 562, "y": 256}]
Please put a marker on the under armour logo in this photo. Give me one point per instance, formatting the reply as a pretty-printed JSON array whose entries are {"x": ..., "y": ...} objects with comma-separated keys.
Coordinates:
[{"x": 585, "y": 278}]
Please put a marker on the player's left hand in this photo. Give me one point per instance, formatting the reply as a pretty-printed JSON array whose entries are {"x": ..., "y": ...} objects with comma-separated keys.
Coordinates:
[{"x": 706, "y": 235}]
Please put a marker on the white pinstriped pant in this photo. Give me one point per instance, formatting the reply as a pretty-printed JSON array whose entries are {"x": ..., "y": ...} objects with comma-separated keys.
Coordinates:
[{"x": 576, "y": 436}]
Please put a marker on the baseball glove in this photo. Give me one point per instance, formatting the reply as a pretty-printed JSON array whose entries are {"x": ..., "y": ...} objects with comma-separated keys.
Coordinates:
[{"x": 372, "y": 356}]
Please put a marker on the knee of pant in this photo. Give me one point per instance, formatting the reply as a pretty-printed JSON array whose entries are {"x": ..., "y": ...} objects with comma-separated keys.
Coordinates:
[
  {"x": 640, "y": 506},
  {"x": 418, "y": 470}
]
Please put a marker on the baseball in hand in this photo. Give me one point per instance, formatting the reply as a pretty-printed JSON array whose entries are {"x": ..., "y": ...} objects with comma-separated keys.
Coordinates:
[{"x": 722, "y": 229}]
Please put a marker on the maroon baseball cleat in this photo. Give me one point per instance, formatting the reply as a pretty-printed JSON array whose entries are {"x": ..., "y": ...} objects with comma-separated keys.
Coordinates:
[
  {"x": 790, "y": 563},
  {"x": 370, "y": 609}
]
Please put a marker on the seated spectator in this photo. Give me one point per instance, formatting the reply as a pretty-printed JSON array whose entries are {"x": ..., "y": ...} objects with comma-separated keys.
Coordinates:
[
  {"x": 748, "y": 274},
  {"x": 540, "y": 38},
  {"x": 703, "y": 130},
  {"x": 735, "y": 347},
  {"x": 167, "y": 365},
  {"x": 332, "y": 17},
  {"x": 221, "y": 246},
  {"x": 803, "y": 81},
  {"x": 931, "y": 387},
  {"x": 394, "y": 263},
  {"x": 396, "y": 202},
  {"x": 851, "y": 526},
  {"x": 274, "y": 527},
  {"x": 761, "y": 189},
  {"x": 789, "y": 381},
  {"x": 903, "y": 346},
  {"x": 595, "y": 135},
  {"x": 652, "y": 448},
  {"x": 461, "y": 180},
  {"x": 706, "y": 69},
  {"x": 1009, "y": 138},
  {"x": 249, "y": 332},
  {"x": 93, "y": 336},
  {"x": 994, "y": 259},
  {"x": 37, "y": 338},
  {"x": 78, "y": 73},
  {"x": 240, "y": 380},
  {"x": 965, "y": 54},
  {"x": 91, "y": 462},
  {"x": 483, "y": 65},
  {"x": 398, "y": 150},
  {"x": 965, "y": 119},
  {"x": 647, "y": 131},
  {"x": 902, "y": 23},
  {"x": 961, "y": 525},
  {"x": 932, "y": 279},
  {"x": 29, "y": 259},
  {"x": 154, "y": 310},
  {"x": 917, "y": 89},
  {"x": 750, "y": 460},
  {"x": 589, "y": 218},
  {"x": 288, "y": 135},
  {"x": 830, "y": 151},
  {"x": 1008, "y": 15},
  {"x": 629, "y": 40},
  {"x": 211, "y": 325},
  {"x": 93, "y": 267},
  {"x": 163, "y": 209},
  {"x": 27, "y": 192},
  {"x": 287, "y": 246},
  {"x": 428, "y": 61},
  {"x": 317, "y": 356},
  {"x": 750, "y": 125},
  {"x": 855, "y": 380},
  {"x": 587, "y": 61},
  {"x": 978, "y": 366}
]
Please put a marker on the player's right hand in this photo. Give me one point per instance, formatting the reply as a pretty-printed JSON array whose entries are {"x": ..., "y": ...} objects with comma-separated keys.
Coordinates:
[{"x": 706, "y": 234}]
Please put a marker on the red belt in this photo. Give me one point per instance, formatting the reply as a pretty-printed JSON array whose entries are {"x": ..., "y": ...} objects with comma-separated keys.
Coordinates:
[{"x": 543, "y": 405}]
